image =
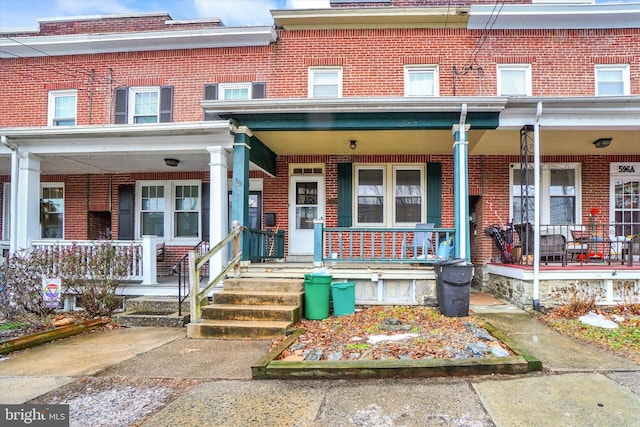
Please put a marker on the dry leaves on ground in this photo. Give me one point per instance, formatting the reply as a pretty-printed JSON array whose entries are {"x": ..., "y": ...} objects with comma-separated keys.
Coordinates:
[{"x": 427, "y": 335}]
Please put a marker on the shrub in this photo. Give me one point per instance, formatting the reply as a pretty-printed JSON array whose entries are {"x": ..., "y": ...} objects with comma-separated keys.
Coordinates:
[
  {"x": 579, "y": 298},
  {"x": 21, "y": 292},
  {"x": 91, "y": 272}
]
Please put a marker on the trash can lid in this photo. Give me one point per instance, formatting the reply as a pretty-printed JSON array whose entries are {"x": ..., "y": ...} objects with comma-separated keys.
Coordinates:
[{"x": 456, "y": 261}]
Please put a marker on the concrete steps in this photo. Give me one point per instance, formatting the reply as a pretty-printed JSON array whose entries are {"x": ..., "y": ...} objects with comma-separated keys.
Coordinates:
[
  {"x": 153, "y": 311},
  {"x": 255, "y": 308}
]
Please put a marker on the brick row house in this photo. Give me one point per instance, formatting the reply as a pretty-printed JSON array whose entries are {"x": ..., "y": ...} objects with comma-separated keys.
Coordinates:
[{"x": 340, "y": 132}]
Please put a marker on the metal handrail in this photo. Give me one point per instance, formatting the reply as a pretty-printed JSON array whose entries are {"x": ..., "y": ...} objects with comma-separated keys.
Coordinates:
[{"x": 181, "y": 268}]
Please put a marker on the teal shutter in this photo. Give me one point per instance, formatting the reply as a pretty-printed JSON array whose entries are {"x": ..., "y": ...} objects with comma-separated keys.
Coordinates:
[
  {"x": 434, "y": 193},
  {"x": 345, "y": 200}
]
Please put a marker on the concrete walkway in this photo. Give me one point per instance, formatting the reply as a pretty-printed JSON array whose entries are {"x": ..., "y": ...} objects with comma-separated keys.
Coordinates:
[{"x": 580, "y": 385}]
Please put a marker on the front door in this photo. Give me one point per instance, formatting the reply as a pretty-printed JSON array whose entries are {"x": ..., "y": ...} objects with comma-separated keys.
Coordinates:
[{"x": 306, "y": 203}]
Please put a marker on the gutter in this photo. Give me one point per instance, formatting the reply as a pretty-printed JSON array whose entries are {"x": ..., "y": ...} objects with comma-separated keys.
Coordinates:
[
  {"x": 536, "y": 208},
  {"x": 14, "y": 191}
]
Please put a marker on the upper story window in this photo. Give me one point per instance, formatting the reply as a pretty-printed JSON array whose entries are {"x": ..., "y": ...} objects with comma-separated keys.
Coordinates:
[
  {"x": 612, "y": 80},
  {"x": 62, "y": 108},
  {"x": 144, "y": 105},
  {"x": 325, "y": 82},
  {"x": 150, "y": 104},
  {"x": 421, "y": 80},
  {"x": 514, "y": 79},
  {"x": 231, "y": 91}
]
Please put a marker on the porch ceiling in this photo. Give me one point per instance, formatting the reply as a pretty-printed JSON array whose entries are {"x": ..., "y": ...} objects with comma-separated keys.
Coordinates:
[{"x": 481, "y": 142}]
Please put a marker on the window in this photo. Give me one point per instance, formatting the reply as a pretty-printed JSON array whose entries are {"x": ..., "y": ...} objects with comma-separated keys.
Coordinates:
[
  {"x": 144, "y": 105},
  {"x": 612, "y": 80},
  {"x": 559, "y": 195},
  {"x": 52, "y": 211},
  {"x": 169, "y": 209},
  {"x": 62, "y": 108},
  {"x": 403, "y": 185},
  {"x": 421, "y": 80},
  {"x": 514, "y": 80},
  {"x": 235, "y": 91},
  {"x": 625, "y": 198},
  {"x": 325, "y": 82}
]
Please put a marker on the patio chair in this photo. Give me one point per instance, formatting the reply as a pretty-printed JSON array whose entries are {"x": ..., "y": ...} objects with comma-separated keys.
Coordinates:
[
  {"x": 422, "y": 241},
  {"x": 552, "y": 246}
]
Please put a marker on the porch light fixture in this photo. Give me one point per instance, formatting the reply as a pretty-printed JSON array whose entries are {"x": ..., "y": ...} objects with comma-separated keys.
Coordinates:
[
  {"x": 352, "y": 144},
  {"x": 602, "y": 142},
  {"x": 171, "y": 162}
]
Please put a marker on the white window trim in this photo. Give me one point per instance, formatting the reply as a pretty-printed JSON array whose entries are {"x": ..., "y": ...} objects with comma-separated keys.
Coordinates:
[
  {"x": 223, "y": 86},
  {"x": 408, "y": 69},
  {"x": 169, "y": 199},
  {"x": 6, "y": 209},
  {"x": 618, "y": 67},
  {"x": 132, "y": 101},
  {"x": 521, "y": 67},
  {"x": 545, "y": 195},
  {"x": 311, "y": 73},
  {"x": 388, "y": 202},
  {"x": 44, "y": 185},
  {"x": 53, "y": 95}
]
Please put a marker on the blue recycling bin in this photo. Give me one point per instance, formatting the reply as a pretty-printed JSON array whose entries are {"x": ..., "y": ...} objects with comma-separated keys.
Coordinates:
[{"x": 344, "y": 298}]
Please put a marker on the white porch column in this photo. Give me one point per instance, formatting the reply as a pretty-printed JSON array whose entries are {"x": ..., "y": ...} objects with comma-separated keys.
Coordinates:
[
  {"x": 27, "y": 214},
  {"x": 149, "y": 260},
  {"x": 218, "y": 206}
]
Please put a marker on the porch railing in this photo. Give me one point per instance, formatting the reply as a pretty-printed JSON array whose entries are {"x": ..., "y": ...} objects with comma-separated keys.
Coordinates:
[
  {"x": 197, "y": 262},
  {"x": 265, "y": 244},
  {"x": 383, "y": 245},
  {"x": 133, "y": 247},
  {"x": 182, "y": 270},
  {"x": 594, "y": 242}
]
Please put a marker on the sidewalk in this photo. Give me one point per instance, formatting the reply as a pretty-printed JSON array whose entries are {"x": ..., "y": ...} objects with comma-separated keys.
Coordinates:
[{"x": 581, "y": 385}]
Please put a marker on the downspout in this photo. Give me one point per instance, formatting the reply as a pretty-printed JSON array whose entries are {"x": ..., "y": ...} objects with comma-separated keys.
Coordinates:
[
  {"x": 14, "y": 192},
  {"x": 461, "y": 184},
  {"x": 536, "y": 208}
]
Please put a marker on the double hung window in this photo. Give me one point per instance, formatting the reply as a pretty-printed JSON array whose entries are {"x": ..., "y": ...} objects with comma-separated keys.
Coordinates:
[
  {"x": 559, "y": 194},
  {"x": 612, "y": 80},
  {"x": 52, "y": 211},
  {"x": 62, "y": 108},
  {"x": 390, "y": 195},
  {"x": 169, "y": 209},
  {"x": 420, "y": 80},
  {"x": 144, "y": 105},
  {"x": 514, "y": 79},
  {"x": 325, "y": 82}
]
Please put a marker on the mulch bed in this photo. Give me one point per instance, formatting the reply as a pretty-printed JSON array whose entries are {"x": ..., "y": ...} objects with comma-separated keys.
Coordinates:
[{"x": 427, "y": 335}]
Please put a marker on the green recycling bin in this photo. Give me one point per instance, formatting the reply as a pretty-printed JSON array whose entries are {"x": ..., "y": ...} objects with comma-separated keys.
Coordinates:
[
  {"x": 317, "y": 290},
  {"x": 344, "y": 298}
]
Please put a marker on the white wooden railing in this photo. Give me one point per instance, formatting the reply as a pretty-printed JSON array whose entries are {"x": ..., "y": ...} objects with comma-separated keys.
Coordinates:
[{"x": 143, "y": 264}]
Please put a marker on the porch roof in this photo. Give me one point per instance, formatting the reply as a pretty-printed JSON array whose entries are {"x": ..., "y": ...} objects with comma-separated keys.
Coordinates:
[{"x": 403, "y": 125}]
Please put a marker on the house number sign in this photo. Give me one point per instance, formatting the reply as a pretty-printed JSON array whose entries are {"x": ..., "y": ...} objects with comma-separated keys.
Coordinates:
[{"x": 625, "y": 169}]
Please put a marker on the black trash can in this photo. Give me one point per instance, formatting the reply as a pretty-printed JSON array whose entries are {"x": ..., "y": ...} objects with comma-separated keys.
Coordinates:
[{"x": 453, "y": 287}]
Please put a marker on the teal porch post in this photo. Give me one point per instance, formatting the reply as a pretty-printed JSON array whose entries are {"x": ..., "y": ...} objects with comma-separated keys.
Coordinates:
[
  {"x": 461, "y": 190},
  {"x": 318, "y": 247},
  {"x": 240, "y": 188}
]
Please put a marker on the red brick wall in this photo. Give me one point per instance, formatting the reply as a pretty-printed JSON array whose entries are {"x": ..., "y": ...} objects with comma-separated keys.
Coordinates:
[{"x": 372, "y": 60}]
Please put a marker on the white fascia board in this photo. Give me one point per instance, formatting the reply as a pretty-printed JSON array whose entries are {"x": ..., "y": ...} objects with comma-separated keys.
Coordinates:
[
  {"x": 135, "y": 42},
  {"x": 578, "y": 16},
  {"x": 365, "y": 105},
  {"x": 578, "y": 113},
  {"x": 94, "y": 131}
]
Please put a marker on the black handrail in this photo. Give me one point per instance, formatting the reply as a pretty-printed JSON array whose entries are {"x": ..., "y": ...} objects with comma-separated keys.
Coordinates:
[{"x": 182, "y": 270}]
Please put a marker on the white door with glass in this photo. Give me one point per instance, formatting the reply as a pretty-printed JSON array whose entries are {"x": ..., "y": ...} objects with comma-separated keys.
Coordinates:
[{"x": 306, "y": 203}]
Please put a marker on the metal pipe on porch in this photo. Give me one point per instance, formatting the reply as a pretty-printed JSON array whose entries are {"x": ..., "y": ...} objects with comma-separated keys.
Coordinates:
[
  {"x": 536, "y": 208},
  {"x": 461, "y": 186}
]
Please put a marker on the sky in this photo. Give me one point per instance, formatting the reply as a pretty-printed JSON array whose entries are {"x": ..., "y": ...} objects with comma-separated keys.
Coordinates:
[{"x": 25, "y": 13}]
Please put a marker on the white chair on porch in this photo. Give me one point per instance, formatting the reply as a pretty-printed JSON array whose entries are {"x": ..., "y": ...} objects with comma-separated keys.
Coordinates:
[{"x": 422, "y": 244}]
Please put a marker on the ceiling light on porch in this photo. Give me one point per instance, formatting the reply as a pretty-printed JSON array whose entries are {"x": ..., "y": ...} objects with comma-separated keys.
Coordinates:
[
  {"x": 352, "y": 144},
  {"x": 602, "y": 142},
  {"x": 171, "y": 162}
]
